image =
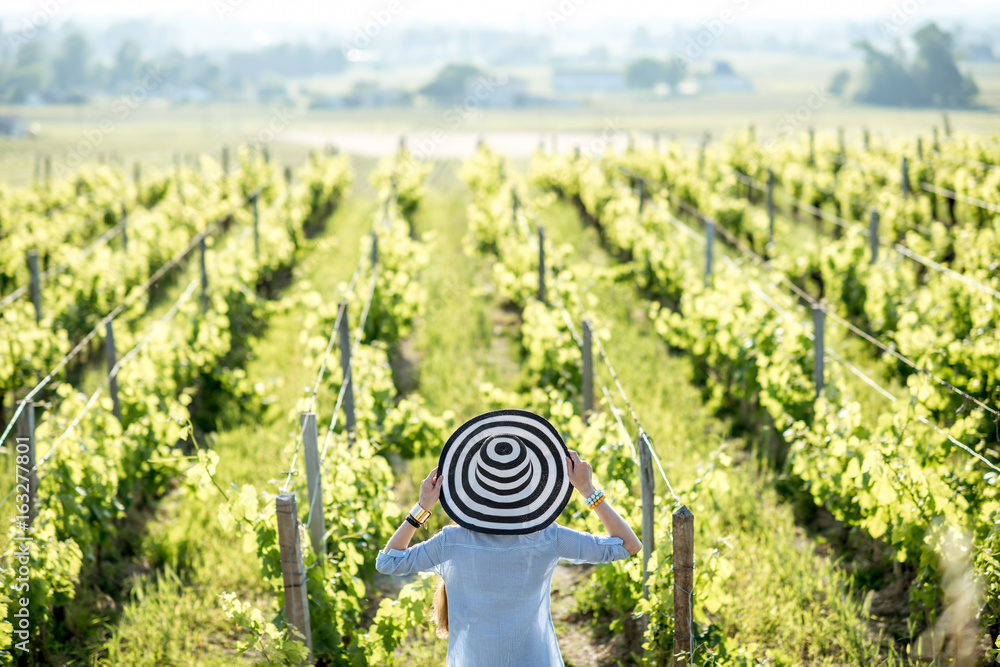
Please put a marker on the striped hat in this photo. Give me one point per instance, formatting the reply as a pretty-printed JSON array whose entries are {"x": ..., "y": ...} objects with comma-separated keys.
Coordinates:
[{"x": 505, "y": 473}]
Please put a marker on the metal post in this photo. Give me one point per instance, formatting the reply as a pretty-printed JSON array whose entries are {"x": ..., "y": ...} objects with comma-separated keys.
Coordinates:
[
  {"x": 124, "y": 228},
  {"x": 770, "y": 205},
  {"x": 36, "y": 286},
  {"x": 293, "y": 569},
  {"x": 26, "y": 447},
  {"x": 709, "y": 243},
  {"x": 112, "y": 357},
  {"x": 873, "y": 235},
  {"x": 819, "y": 349},
  {"x": 683, "y": 566},
  {"x": 647, "y": 484},
  {"x": 345, "y": 365},
  {"x": 314, "y": 482},
  {"x": 904, "y": 179},
  {"x": 541, "y": 264},
  {"x": 204, "y": 276},
  {"x": 588, "y": 370},
  {"x": 256, "y": 227}
]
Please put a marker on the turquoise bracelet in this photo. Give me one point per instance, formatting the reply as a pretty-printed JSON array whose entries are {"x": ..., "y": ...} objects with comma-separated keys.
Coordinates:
[{"x": 594, "y": 496}]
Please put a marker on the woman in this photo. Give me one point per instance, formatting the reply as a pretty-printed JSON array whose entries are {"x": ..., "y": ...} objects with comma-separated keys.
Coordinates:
[{"x": 504, "y": 478}]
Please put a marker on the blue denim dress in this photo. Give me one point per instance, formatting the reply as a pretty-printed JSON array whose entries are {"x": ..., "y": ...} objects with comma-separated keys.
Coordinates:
[{"x": 498, "y": 589}]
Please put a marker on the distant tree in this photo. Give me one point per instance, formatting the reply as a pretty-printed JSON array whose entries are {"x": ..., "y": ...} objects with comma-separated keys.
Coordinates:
[
  {"x": 932, "y": 79},
  {"x": 839, "y": 81},
  {"x": 28, "y": 74},
  {"x": 673, "y": 72},
  {"x": 72, "y": 64},
  {"x": 935, "y": 72},
  {"x": 128, "y": 64},
  {"x": 644, "y": 73},
  {"x": 449, "y": 83}
]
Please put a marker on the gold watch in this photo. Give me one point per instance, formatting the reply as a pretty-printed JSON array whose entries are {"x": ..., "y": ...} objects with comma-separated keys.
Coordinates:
[{"x": 419, "y": 514}]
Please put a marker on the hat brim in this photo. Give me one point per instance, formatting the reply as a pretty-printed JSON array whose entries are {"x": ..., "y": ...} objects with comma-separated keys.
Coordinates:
[{"x": 505, "y": 473}]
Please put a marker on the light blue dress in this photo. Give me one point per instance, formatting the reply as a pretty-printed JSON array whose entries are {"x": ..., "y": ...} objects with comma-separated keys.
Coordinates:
[{"x": 498, "y": 589}]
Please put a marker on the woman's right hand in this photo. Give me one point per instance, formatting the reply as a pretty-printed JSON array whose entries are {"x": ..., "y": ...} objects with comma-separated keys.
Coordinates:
[{"x": 580, "y": 474}]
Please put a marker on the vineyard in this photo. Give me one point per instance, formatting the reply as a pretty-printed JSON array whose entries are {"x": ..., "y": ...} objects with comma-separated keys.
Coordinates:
[{"x": 221, "y": 387}]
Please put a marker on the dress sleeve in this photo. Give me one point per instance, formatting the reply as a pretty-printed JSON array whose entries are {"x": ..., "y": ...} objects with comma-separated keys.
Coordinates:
[
  {"x": 426, "y": 556},
  {"x": 578, "y": 547}
]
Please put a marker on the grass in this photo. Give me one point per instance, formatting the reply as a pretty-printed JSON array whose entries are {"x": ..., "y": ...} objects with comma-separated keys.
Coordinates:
[
  {"x": 784, "y": 599},
  {"x": 173, "y": 616}
]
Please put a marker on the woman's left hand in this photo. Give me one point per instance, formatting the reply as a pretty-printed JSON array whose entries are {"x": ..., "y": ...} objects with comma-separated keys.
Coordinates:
[{"x": 430, "y": 490}]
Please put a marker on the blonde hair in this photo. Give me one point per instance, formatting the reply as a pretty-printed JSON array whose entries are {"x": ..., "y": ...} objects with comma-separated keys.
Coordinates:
[{"x": 441, "y": 610}]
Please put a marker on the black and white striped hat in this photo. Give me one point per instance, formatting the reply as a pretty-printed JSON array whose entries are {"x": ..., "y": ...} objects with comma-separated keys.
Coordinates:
[{"x": 505, "y": 473}]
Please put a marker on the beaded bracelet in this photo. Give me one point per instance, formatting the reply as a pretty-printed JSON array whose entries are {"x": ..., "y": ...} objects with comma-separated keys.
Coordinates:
[{"x": 595, "y": 498}]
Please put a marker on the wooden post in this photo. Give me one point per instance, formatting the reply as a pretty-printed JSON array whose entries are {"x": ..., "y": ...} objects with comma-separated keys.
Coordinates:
[
  {"x": 709, "y": 243},
  {"x": 256, "y": 227},
  {"x": 541, "y": 264},
  {"x": 647, "y": 484},
  {"x": 204, "y": 276},
  {"x": 683, "y": 566},
  {"x": 812, "y": 146},
  {"x": 588, "y": 370},
  {"x": 293, "y": 569},
  {"x": 26, "y": 447},
  {"x": 345, "y": 365},
  {"x": 873, "y": 235},
  {"x": 36, "y": 286},
  {"x": 770, "y": 206},
  {"x": 819, "y": 347},
  {"x": 904, "y": 179},
  {"x": 124, "y": 228},
  {"x": 314, "y": 482},
  {"x": 112, "y": 357}
]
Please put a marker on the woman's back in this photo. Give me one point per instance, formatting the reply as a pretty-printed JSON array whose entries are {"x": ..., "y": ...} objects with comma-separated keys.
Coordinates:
[{"x": 498, "y": 588}]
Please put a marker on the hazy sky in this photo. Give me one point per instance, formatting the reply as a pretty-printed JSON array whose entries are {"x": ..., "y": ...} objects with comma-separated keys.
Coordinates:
[{"x": 523, "y": 14}]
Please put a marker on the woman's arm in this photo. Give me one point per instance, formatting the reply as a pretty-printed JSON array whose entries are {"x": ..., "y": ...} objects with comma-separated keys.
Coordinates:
[
  {"x": 430, "y": 491},
  {"x": 581, "y": 477}
]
